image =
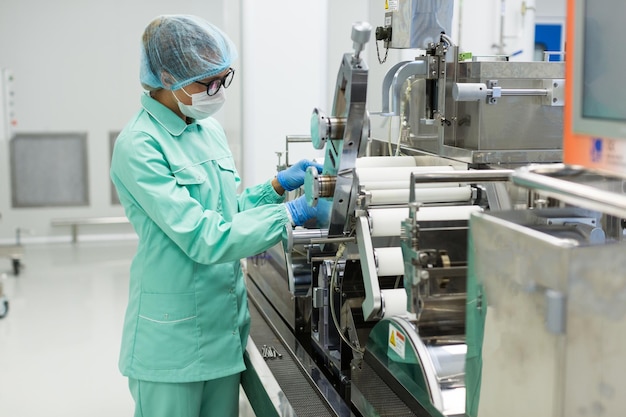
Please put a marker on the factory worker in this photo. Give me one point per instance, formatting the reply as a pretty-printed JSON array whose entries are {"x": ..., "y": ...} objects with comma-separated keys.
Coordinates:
[{"x": 187, "y": 319}]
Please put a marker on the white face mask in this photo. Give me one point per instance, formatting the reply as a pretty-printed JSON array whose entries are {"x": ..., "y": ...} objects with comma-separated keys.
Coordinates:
[{"x": 202, "y": 105}]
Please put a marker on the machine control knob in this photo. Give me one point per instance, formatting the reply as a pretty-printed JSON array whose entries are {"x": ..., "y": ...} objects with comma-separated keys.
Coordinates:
[
  {"x": 361, "y": 32},
  {"x": 311, "y": 186},
  {"x": 317, "y": 185},
  {"x": 320, "y": 128},
  {"x": 469, "y": 91},
  {"x": 324, "y": 128}
]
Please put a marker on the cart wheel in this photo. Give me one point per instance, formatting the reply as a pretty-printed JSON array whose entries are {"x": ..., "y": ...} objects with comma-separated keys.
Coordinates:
[
  {"x": 4, "y": 308},
  {"x": 17, "y": 265}
]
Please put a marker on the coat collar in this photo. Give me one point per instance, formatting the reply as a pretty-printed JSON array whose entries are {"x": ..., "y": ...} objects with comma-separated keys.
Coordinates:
[{"x": 164, "y": 116}]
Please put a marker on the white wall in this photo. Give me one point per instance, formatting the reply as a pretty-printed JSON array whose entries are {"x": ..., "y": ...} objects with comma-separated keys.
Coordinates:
[
  {"x": 75, "y": 64},
  {"x": 284, "y": 53},
  {"x": 553, "y": 10}
]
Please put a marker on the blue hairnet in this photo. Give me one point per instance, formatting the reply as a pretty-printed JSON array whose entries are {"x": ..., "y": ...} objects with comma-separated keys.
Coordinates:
[{"x": 177, "y": 50}]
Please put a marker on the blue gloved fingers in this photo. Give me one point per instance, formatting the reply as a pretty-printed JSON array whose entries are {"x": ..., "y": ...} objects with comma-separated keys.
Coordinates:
[
  {"x": 292, "y": 178},
  {"x": 319, "y": 167},
  {"x": 300, "y": 211}
]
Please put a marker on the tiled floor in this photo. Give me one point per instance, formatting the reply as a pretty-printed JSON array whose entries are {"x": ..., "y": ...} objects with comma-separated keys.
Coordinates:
[{"x": 59, "y": 342}]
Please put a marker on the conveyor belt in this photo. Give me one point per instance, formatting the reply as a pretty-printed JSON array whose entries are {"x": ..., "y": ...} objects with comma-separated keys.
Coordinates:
[
  {"x": 300, "y": 388},
  {"x": 370, "y": 392}
]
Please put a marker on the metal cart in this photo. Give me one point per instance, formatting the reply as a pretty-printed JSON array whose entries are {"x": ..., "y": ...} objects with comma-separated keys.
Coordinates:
[
  {"x": 4, "y": 304},
  {"x": 13, "y": 252}
]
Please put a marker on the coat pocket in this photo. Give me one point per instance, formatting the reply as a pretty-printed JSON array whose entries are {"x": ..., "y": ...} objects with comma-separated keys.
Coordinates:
[
  {"x": 167, "y": 331},
  {"x": 194, "y": 179},
  {"x": 192, "y": 175}
]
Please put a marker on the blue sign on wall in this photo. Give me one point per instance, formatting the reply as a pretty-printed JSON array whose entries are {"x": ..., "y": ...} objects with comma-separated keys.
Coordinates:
[{"x": 548, "y": 39}]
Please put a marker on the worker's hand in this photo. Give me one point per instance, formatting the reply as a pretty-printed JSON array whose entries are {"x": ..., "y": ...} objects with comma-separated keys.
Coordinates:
[
  {"x": 300, "y": 211},
  {"x": 293, "y": 177}
]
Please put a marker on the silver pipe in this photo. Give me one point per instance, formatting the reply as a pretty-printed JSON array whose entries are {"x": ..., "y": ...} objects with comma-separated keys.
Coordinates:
[
  {"x": 394, "y": 79},
  {"x": 314, "y": 236},
  {"x": 470, "y": 176},
  {"x": 333, "y": 240},
  {"x": 523, "y": 92},
  {"x": 462, "y": 176},
  {"x": 298, "y": 138},
  {"x": 577, "y": 194},
  {"x": 304, "y": 236}
]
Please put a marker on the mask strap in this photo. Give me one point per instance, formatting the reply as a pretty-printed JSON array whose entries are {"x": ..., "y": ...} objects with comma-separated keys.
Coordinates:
[
  {"x": 176, "y": 98},
  {"x": 184, "y": 91}
]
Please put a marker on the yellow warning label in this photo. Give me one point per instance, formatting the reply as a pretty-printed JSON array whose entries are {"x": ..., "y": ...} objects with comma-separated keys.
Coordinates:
[
  {"x": 397, "y": 340},
  {"x": 386, "y": 5}
]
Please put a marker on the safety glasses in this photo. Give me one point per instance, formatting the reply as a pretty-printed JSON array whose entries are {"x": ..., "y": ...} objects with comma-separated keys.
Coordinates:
[{"x": 213, "y": 86}]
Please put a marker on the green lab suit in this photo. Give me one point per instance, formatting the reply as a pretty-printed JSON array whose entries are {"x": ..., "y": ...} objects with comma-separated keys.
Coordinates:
[{"x": 187, "y": 318}]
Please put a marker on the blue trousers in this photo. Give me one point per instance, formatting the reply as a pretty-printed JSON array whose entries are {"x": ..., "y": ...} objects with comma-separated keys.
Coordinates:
[{"x": 215, "y": 398}]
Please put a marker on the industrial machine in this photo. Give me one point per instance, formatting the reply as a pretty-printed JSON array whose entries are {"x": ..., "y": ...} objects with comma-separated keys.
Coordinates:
[
  {"x": 548, "y": 283},
  {"x": 371, "y": 301}
]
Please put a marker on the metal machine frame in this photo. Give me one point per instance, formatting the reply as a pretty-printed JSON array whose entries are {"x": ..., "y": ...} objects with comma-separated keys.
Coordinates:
[{"x": 394, "y": 343}]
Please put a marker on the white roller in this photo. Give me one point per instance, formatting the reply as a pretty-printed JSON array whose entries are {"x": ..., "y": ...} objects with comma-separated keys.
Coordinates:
[
  {"x": 396, "y": 173},
  {"x": 385, "y": 161},
  {"x": 388, "y": 222},
  {"x": 394, "y": 302},
  {"x": 389, "y": 261},
  {"x": 422, "y": 195},
  {"x": 405, "y": 183}
]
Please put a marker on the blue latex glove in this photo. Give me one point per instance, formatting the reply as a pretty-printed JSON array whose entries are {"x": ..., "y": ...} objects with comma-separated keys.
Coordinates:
[
  {"x": 292, "y": 178},
  {"x": 300, "y": 211}
]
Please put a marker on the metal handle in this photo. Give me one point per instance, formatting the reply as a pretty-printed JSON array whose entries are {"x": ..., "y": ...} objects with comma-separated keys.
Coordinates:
[
  {"x": 479, "y": 91},
  {"x": 488, "y": 175},
  {"x": 542, "y": 178}
]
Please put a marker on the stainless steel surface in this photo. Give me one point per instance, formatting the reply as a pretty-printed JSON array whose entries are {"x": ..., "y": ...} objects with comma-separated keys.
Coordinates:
[
  {"x": 443, "y": 368},
  {"x": 498, "y": 156},
  {"x": 567, "y": 355},
  {"x": 516, "y": 122},
  {"x": 524, "y": 126},
  {"x": 498, "y": 196}
]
